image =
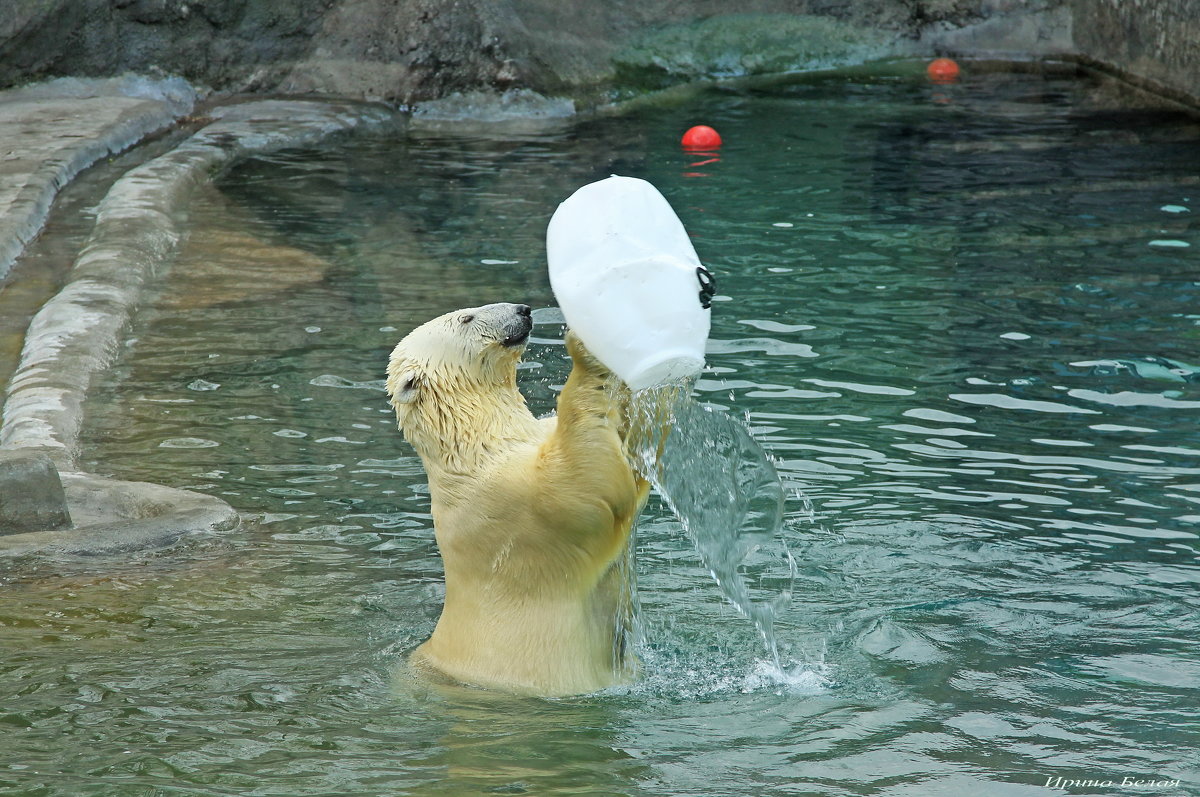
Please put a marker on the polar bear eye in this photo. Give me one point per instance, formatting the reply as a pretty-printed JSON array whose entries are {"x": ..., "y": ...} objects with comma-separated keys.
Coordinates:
[{"x": 466, "y": 319}]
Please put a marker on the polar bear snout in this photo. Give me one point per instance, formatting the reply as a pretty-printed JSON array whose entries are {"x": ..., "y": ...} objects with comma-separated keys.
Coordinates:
[
  {"x": 518, "y": 326},
  {"x": 503, "y": 323}
]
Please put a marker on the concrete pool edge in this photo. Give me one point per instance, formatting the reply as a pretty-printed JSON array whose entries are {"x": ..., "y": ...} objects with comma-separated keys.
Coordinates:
[
  {"x": 77, "y": 333},
  {"x": 65, "y": 126},
  {"x": 112, "y": 516}
]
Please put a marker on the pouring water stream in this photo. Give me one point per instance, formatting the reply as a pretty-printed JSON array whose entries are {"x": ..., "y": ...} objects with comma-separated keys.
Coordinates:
[{"x": 721, "y": 485}]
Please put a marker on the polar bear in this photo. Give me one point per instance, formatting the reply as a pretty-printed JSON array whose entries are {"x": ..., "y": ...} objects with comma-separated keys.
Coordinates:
[{"x": 533, "y": 517}]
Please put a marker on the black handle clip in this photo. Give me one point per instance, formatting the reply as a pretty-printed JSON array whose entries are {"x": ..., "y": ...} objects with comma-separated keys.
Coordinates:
[{"x": 708, "y": 286}]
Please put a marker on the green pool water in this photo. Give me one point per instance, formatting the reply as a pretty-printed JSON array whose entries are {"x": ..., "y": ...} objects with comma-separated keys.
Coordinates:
[{"x": 963, "y": 320}]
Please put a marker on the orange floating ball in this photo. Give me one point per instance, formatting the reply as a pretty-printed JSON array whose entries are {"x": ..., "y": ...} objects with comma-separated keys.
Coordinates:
[
  {"x": 701, "y": 137},
  {"x": 942, "y": 70}
]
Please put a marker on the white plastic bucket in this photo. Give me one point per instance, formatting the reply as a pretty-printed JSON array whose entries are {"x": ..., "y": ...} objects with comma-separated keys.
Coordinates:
[{"x": 629, "y": 282}]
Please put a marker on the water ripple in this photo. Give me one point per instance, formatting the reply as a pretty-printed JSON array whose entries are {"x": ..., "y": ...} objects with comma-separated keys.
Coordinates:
[{"x": 994, "y": 533}]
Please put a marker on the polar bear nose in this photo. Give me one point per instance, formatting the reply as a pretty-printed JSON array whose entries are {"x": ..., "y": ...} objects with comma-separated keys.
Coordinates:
[{"x": 518, "y": 326}]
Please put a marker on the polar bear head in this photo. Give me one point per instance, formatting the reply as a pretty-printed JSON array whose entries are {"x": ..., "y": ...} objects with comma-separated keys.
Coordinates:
[{"x": 456, "y": 363}]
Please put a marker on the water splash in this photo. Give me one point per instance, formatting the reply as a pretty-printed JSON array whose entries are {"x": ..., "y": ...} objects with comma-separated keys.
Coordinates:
[{"x": 725, "y": 491}]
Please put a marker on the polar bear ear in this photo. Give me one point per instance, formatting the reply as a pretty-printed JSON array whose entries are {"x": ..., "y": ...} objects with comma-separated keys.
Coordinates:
[{"x": 408, "y": 387}]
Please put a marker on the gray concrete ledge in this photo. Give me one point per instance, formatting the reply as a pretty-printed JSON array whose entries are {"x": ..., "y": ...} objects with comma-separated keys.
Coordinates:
[
  {"x": 52, "y": 131},
  {"x": 32, "y": 498},
  {"x": 76, "y": 334},
  {"x": 113, "y": 517}
]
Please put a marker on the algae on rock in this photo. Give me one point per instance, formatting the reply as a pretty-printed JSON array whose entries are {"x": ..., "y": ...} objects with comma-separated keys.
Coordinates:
[{"x": 736, "y": 45}]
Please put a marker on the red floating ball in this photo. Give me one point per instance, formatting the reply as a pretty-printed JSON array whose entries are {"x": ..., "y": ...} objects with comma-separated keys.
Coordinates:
[
  {"x": 701, "y": 137},
  {"x": 942, "y": 70}
]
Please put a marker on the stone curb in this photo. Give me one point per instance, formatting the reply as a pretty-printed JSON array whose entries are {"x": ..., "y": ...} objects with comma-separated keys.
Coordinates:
[
  {"x": 77, "y": 332},
  {"x": 113, "y": 517},
  {"x": 160, "y": 104}
]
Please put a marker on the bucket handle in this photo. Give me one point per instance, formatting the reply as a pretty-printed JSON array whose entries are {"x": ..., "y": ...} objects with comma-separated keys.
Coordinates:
[{"x": 708, "y": 286}]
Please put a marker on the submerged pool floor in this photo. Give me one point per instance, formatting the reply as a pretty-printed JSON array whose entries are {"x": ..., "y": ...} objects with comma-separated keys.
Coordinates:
[{"x": 963, "y": 319}]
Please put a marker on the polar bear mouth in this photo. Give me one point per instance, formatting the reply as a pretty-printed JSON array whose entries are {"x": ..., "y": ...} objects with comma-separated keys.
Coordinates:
[
  {"x": 516, "y": 339},
  {"x": 518, "y": 333},
  {"x": 506, "y": 324}
]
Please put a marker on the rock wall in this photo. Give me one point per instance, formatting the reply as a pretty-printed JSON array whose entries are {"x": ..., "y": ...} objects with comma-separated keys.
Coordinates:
[
  {"x": 410, "y": 50},
  {"x": 1156, "y": 42},
  {"x": 396, "y": 50},
  {"x": 218, "y": 42}
]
